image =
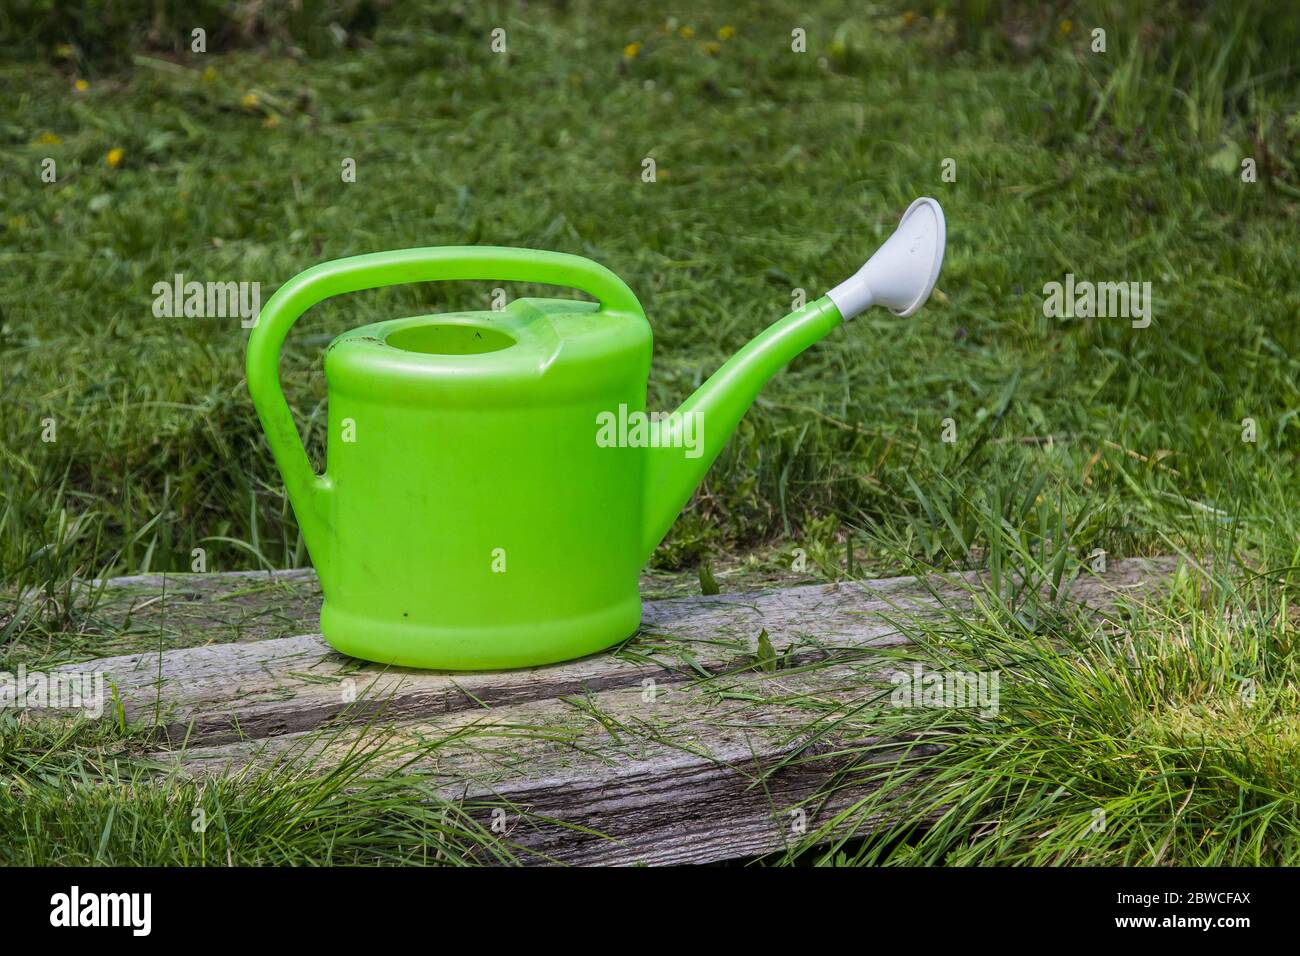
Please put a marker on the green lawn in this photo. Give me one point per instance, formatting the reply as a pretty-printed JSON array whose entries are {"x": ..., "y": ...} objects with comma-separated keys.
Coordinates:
[{"x": 776, "y": 171}]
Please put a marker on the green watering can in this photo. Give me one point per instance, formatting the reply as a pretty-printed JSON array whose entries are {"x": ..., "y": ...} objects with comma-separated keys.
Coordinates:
[{"x": 494, "y": 484}]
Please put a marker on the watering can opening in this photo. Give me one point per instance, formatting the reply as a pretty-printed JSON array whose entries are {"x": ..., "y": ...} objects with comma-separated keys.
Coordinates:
[{"x": 446, "y": 339}]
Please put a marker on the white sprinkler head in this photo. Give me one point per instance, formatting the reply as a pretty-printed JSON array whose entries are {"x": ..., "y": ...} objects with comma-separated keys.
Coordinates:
[{"x": 903, "y": 271}]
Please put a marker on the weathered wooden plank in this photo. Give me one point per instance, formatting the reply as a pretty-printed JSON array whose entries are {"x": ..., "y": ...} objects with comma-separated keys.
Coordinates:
[
  {"x": 223, "y": 692},
  {"x": 144, "y": 612},
  {"x": 690, "y": 773},
  {"x": 151, "y": 611},
  {"x": 586, "y": 763}
]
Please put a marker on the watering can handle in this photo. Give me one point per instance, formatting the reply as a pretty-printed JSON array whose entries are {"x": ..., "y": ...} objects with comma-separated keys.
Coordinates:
[{"x": 373, "y": 271}]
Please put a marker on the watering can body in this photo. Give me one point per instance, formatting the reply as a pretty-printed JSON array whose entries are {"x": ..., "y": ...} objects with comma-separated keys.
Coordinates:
[
  {"x": 484, "y": 503},
  {"x": 473, "y": 521}
]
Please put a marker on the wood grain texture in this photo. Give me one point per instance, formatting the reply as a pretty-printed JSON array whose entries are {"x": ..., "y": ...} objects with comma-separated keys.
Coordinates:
[
  {"x": 675, "y": 747},
  {"x": 222, "y": 692},
  {"x": 689, "y": 773}
]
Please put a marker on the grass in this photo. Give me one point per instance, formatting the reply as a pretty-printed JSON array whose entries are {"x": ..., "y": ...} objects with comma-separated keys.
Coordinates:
[
  {"x": 83, "y": 796},
  {"x": 1165, "y": 738},
  {"x": 776, "y": 171}
]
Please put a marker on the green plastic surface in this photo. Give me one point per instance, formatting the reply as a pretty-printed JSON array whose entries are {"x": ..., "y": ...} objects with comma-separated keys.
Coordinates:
[{"x": 468, "y": 516}]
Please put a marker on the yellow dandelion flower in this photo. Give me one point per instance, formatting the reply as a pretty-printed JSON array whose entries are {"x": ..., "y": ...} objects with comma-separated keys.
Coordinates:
[
  {"x": 81, "y": 86},
  {"x": 631, "y": 50},
  {"x": 726, "y": 33},
  {"x": 209, "y": 75},
  {"x": 49, "y": 139},
  {"x": 250, "y": 101},
  {"x": 712, "y": 48},
  {"x": 686, "y": 32},
  {"x": 1066, "y": 26},
  {"x": 114, "y": 157},
  {"x": 63, "y": 51}
]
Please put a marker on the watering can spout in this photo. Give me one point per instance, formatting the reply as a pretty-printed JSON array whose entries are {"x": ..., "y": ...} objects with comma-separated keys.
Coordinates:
[{"x": 900, "y": 275}]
